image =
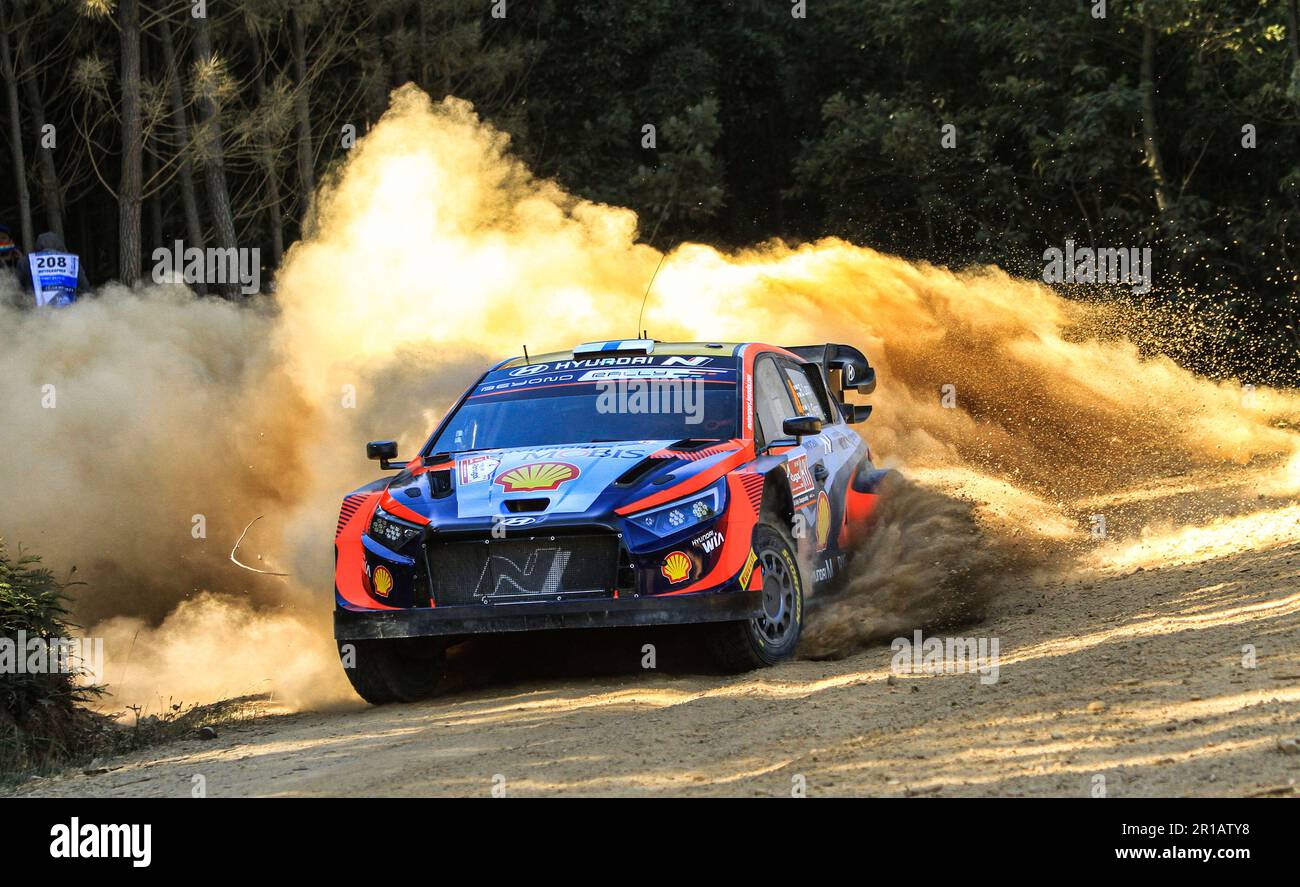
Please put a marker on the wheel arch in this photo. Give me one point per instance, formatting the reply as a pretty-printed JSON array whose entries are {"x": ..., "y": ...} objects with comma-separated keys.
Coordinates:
[{"x": 777, "y": 499}]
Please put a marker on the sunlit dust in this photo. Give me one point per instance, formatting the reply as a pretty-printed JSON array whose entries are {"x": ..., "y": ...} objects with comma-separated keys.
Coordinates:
[
  {"x": 1167, "y": 546},
  {"x": 434, "y": 252}
]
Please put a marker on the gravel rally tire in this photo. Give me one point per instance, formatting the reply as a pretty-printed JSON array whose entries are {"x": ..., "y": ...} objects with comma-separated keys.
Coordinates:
[
  {"x": 393, "y": 670},
  {"x": 767, "y": 639}
]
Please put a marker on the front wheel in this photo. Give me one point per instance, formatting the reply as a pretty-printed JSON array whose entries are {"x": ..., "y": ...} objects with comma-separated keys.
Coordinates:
[
  {"x": 771, "y": 637},
  {"x": 393, "y": 670}
]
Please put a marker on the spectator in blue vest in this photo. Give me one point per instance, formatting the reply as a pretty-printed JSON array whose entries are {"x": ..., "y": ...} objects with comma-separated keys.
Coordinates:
[{"x": 53, "y": 273}]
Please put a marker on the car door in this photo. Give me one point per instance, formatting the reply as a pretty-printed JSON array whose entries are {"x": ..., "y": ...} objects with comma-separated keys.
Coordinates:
[
  {"x": 783, "y": 391},
  {"x": 809, "y": 399}
]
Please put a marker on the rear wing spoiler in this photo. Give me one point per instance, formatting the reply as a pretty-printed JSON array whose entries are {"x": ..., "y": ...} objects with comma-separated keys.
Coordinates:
[{"x": 844, "y": 369}]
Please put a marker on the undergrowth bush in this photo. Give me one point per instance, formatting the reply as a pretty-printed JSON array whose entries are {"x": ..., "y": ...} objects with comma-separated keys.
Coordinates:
[{"x": 43, "y": 719}]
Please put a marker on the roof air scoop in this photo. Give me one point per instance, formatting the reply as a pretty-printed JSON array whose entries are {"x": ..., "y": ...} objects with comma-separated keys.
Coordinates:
[{"x": 617, "y": 346}]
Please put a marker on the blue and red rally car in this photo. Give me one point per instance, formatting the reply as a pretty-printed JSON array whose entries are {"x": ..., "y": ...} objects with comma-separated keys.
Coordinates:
[{"x": 621, "y": 483}]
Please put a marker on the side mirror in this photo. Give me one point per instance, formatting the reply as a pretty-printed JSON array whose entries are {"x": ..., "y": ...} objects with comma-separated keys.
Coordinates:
[
  {"x": 801, "y": 426},
  {"x": 854, "y": 412},
  {"x": 383, "y": 450},
  {"x": 855, "y": 373}
]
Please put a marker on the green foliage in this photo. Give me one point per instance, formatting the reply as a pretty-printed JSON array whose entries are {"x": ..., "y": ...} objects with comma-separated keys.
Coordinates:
[
  {"x": 832, "y": 125},
  {"x": 44, "y": 721},
  {"x": 687, "y": 181},
  {"x": 769, "y": 125},
  {"x": 41, "y": 718}
]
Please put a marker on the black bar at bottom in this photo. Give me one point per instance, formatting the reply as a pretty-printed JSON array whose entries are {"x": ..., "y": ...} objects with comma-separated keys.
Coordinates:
[{"x": 540, "y": 616}]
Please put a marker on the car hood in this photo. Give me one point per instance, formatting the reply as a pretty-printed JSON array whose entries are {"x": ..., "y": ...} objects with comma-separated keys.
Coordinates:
[{"x": 569, "y": 478}]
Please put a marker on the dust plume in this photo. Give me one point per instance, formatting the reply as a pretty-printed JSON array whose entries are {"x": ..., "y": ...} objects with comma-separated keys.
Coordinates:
[
  {"x": 433, "y": 252},
  {"x": 928, "y": 562}
]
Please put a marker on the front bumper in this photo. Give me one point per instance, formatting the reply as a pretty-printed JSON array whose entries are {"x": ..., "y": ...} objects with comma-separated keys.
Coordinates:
[{"x": 541, "y": 615}]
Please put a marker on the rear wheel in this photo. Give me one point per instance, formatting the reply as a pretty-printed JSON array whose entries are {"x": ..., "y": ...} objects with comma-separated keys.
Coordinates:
[
  {"x": 766, "y": 639},
  {"x": 394, "y": 669}
]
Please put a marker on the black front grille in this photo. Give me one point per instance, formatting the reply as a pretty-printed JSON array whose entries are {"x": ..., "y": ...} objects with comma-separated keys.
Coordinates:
[{"x": 523, "y": 568}]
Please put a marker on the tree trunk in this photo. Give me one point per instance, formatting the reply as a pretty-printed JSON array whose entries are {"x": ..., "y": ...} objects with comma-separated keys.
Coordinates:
[
  {"x": 214, "y": 164},
  {"x": 1151, "y": 143},
  {"x": 16, "y": 133},
  {"x": 153, "y": 203},
  {"x": 375, "y": 97},
  {"x": 1293, "y": 30},
  {"x": 275, "y": 216},
  {"x": 422, "y": 47},
  {"x": 84, "y": 242},
  {"x": 302, "y": 107},
  {"x": 1293, "y": 34},
  {"x": 51, "y": 193},
  {"x": 185, "y": 170},
  {"x": 397, "y": 51},
  {"x": 128, "y": 192},
  {"x": 153, "y": 200},
  {"x": 266, "y": 155}
]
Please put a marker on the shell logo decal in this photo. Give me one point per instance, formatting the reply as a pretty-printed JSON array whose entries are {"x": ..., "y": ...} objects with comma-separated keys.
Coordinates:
[
  {"x": 536, "y": 476},
  {"x": 676, "y": 567},
  {"x": 383, "y": 581},
  {"x": 823, "y": 519}
]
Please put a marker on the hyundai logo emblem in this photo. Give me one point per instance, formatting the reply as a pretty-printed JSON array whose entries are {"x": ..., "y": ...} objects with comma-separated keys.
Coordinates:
[{"x": 529, "y": 370}]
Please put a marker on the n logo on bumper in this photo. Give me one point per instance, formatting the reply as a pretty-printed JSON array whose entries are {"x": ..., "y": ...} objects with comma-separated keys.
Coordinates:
[{"x": 541, "y": 574}]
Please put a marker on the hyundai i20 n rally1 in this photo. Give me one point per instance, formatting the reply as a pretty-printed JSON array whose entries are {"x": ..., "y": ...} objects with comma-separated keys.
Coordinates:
[{"x": 624, "y": 483}]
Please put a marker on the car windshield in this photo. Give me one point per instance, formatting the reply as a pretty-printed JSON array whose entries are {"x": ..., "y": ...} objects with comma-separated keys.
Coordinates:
[{"x": 560, "y": 404}]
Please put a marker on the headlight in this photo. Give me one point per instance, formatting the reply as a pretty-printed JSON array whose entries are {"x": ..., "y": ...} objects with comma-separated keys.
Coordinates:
[
  {"x": 390, "y": 530},
  {"x": 682, "y": 514}
]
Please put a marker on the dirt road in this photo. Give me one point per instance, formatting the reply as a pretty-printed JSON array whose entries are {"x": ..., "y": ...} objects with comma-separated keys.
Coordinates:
[{"x": 1120, "y": 678}]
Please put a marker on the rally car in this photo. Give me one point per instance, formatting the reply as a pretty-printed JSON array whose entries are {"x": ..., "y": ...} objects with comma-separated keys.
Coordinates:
[{"x": 622, "y": 483}]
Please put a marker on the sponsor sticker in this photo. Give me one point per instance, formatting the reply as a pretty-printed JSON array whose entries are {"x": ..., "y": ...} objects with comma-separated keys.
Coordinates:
[
  {"x": 644, "y": 373},
  {"x": 829, "y": 567},
  {"x": 749, "y": 405},
  {"x": 708, "y": 542},
  {"x": 676, "y": 567},
  {"x": 585, "y": 362},
  {"x": 748, "y": 569},
  {"x": 801, "y": 480},
  {"x": 528, "y": 382},
  {"x": 537, "y": 477},
  {"x": 585, "y": 452},
  {"x": 823, "y": 519},
  {"x": 475, "y": 469}
]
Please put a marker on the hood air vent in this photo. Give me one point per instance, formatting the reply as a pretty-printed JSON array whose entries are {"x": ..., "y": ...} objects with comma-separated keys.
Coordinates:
[{"x": 523, "y": 506}]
